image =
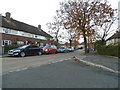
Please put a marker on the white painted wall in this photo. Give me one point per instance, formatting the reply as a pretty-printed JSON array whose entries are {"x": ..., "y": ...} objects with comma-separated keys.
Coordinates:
[
  {"x": 20, "y": 33},
  {"x": 113, "y": 41}
]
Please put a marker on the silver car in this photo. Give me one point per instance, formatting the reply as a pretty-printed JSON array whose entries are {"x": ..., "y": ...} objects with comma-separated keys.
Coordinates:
[{"x": 71, "y": 49}]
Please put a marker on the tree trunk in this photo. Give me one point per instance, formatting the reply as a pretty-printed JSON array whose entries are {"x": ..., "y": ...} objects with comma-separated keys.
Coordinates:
[
  {"x": 57, "y": 44},
  {"x": 103, "y": 41},
  {"x": 57, "y": 40},
  {"x": 85, "y": 43},
  {"x": 70, "y": 42}
]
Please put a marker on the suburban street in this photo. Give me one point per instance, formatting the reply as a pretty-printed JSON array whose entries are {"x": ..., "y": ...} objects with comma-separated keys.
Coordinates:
[
  {"x": 54, "y": 71},
  {"x": 17, "y": 63},
  {"x": 59, "y": 44}
]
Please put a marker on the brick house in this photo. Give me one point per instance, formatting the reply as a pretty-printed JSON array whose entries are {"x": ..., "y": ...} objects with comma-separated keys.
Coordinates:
[{"x": 16, "y": 32}]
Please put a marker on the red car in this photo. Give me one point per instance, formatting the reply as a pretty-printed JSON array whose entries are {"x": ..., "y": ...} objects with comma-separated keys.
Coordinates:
[{"x": 49, "y": 49}]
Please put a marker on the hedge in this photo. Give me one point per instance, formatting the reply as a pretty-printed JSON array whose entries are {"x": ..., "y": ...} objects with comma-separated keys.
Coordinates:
[
  {"x": 112, "y": 50},
  {"x": 8, "y": 47}
]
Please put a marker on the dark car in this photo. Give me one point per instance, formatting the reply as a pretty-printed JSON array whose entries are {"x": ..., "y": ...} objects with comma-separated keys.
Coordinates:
[
  {"x": 25, "y": 50},
  {"x": 49, "y": 49},
  {"x": 63, "y": 49}
]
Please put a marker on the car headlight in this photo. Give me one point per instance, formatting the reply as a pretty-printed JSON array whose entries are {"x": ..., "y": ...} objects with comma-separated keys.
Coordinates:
[
  {"x": 46, "y": 49},
  {"x": 16, "y": 51}
]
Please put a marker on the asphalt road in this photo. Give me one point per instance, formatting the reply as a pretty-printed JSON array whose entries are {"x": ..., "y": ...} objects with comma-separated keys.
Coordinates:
[
  {"x": 15, "y": 63},
  {"x": 65, "y": 74},
  {"x": 46, "y": 72}
]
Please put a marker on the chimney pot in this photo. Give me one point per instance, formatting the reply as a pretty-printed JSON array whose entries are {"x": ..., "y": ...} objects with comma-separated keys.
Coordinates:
[
  {"x": 39, "y": 27},
  {"x": 8, "y": 15}
]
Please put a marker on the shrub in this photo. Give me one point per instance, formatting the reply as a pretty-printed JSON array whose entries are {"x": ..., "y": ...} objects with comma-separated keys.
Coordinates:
[
  {"x": 99, "y": 42},
  {"x": 8, "y": 47},
  {"x": 112, "y": 50}
]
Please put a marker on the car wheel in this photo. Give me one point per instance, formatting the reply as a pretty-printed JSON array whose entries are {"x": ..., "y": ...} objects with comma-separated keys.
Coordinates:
[
  {"x": 22, "y": 54},
  {"x": 56, "y": 52},
  {"x": 39, "y": 53}
]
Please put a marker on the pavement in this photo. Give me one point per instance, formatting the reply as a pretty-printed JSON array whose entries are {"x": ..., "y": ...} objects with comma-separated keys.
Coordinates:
[
  {"x": 103, "y": 60},
  {"x": 1, "y": 56}
]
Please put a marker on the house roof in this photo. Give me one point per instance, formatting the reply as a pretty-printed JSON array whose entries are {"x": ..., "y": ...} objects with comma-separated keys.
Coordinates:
[
  {"x": 20, "y": 26},
  {"x": 114, "y": 36}
]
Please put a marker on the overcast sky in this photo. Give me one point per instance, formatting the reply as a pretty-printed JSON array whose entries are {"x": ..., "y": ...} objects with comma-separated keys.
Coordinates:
[
  {"x": 32, "y": 12},
  {"x": 35, "y": 12}
]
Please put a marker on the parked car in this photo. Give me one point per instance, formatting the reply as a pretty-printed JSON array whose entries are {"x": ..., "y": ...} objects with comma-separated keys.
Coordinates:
[
  {"x": 49, "y": 49},
  {"x": 25, "y": 51},
  {"x": 63, "y": 49},
  {"x": 41, "y": 47},
  {"x": 71, "y": 49}
]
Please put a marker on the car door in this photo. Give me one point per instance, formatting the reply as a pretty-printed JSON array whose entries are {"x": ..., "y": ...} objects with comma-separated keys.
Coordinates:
[
  {"x": 28, "y": 50},
  {"x": 53, "y": 49},
  {"x": 31, "y": 50},
  {"x": 50, "y": 49},
  {"x": 36, "y": 50}
]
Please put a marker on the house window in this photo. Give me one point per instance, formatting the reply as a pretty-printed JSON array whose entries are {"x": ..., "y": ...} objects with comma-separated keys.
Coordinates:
[
  {"x": 26, "y": 42},
  {"x": 35, "y": 36},
  {"x": 20, "y": 42},
  {"x": 41, "y": 44},
  {"x": 6, "y": 42},
  {"x": 36, "y": 42}
]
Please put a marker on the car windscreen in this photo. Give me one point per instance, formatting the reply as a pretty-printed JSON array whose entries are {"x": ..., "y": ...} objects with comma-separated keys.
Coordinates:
[
  {"x": 62, "y": 48},
  {"x": 47, "y": 47},
  {"x": 22, "y": 47}
]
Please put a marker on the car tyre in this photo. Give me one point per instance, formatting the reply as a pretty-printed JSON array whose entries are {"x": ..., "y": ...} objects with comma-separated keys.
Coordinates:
[
  {"x": 22, "y": 54},
  {"x": 39, "y": 53},
  {"x": 56, "y": 52}
]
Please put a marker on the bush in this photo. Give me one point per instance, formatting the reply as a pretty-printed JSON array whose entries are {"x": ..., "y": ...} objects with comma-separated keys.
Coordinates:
[
  {"x": 8, "y": 47},
  {"x": 99, "y": 42},
  {"x": 112, "y": 50}
]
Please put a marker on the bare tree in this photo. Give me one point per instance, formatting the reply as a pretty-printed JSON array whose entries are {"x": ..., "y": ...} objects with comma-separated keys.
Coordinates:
[
  {"x": 69, "y": 35},
  {"x": 83, "y": 15},
  {"x": 106, "y": 23},
  {"x": 55, "y": 28}
]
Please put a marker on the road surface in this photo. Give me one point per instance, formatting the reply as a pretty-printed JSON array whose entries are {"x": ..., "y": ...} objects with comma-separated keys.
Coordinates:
[{"x": 54, "y": 71}]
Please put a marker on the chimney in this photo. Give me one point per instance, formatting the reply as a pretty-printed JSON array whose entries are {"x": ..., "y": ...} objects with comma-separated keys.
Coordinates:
[
  {"x": 39, "y": 27},
  {"x": 8, "y": 16}
]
